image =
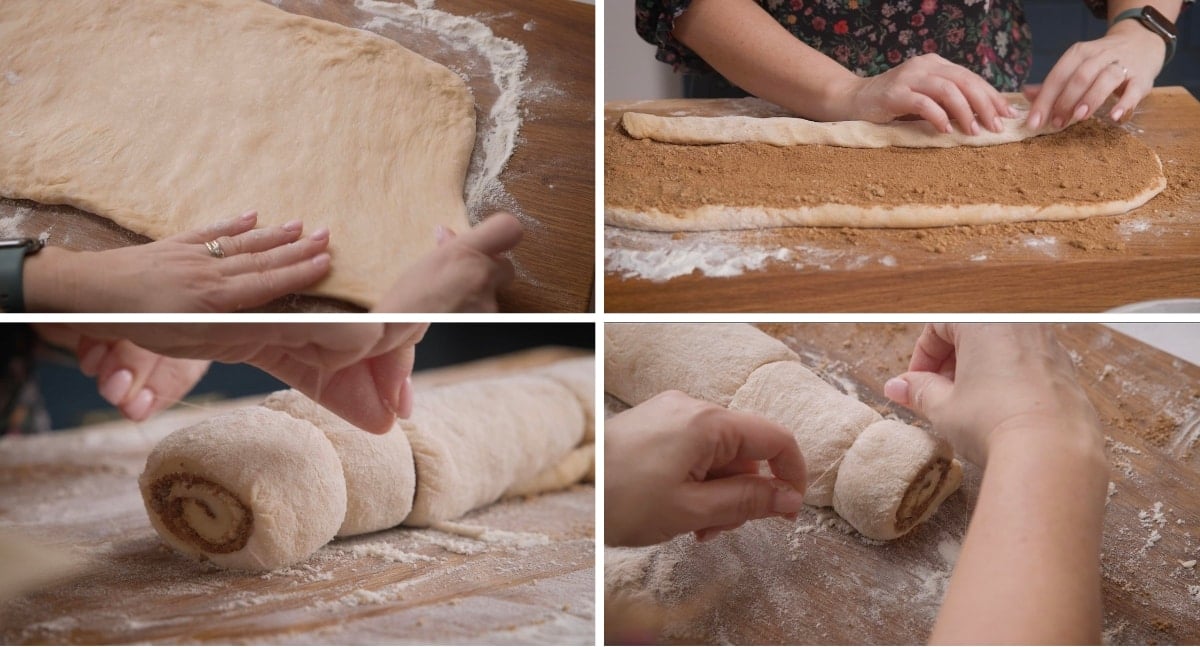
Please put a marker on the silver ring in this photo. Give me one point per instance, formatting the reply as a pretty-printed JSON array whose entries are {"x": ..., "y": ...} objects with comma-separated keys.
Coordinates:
[
  {"x": 214, "y": 249},
  {"x": 1124, "y": 70}
]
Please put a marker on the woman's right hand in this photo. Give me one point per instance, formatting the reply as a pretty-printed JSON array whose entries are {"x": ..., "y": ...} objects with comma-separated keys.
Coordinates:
[
  {"x": 927, "y": 86},
  {"x": 981, "y": 383},
  {"x": 178, "y": 273}
]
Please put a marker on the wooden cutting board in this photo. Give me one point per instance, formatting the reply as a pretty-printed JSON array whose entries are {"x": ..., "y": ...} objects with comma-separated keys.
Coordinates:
[
  {"x": 550, "y": 176},
  {"x": 818, "y": 582},
  {"x": 78, "y": 489},
  {"x": 1150, "y": 253}
]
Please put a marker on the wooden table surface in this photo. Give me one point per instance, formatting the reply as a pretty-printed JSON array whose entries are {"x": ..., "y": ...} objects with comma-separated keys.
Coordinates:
[
  {"x": 78, "y": 489},
  {"x": 550, "y": 176},
  {"x": 1150, "y": 253},
  {"x": 818, "y": 582}
]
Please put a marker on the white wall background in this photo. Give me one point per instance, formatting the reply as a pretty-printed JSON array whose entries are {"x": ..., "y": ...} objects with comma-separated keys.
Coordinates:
[{"x": 630, "y": 69}]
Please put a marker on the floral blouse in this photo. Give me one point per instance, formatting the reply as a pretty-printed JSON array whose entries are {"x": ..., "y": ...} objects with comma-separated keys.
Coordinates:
[{"x": 868, "y": 37}]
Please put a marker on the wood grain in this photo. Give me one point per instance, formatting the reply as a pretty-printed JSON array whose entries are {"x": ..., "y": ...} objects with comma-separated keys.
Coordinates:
[
  {"x": 1151, "y": 253},
  {"x": 550, "y": 176},
  {"x": 777, "y": 582},
  {"x": 78, "y": 489}
]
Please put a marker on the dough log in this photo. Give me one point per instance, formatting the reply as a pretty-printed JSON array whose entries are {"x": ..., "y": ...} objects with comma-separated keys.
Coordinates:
[
  {"x": 264, "y": 487},
  {"x": 705, "y": 361},
  {"x": 253, "y": 489},
  {"x": 883, "y": 477},
  {"x": 473, "y": 441},
  {"x": 379, "y": 472}
]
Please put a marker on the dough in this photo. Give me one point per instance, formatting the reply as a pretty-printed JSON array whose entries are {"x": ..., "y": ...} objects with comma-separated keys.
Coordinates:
[
  {"x": 893, "y": 478},
  {"x": 824, "y": 421},
  {"x": 792, "y": 131},
  {"x": 705, "y": 361},
  {"x": 579, "y": 465},
  {"x": 578, "y": 375},
  {"x": 474, "y": 440},
  {"x": 253, "y": 489},
  {"x": 165, "y": 115},
  {"x": 883, "y": 477},
  {"x": 378, "y": 468}
]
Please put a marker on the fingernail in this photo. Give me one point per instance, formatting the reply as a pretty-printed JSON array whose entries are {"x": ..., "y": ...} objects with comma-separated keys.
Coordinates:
[
  {"x": 90, "y": 363},
  {"x": 1035, "y": 119},
  {"x": 405, "y": 407},
  {"x": 248, "y": 216},
  {"x": 321, "y": 260},
  {"x": 787, "y": 501},
  {"x": 896, "y": 390},
  {"x": 949, "y": 130},
  {"x": 974, "y": 127},
  {"x": 293, "y": 226},
  {"x": 1080, "y": 112},
  {"x": 116, "y": 386},
  {"x": 441, "y": 234},
  {"x": 997, "y": 125},
  {"x": 1117, "y": 114},
  {"x": 320, "y": 234},
  {"x": 139, "y": 409}
]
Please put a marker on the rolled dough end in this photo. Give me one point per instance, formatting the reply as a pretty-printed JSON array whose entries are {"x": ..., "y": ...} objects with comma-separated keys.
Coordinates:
[{"x": 893, "y": 478}]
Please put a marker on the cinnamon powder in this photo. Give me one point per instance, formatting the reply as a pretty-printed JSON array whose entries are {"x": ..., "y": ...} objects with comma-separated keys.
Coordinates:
[{"x": 1089, "y": 162}]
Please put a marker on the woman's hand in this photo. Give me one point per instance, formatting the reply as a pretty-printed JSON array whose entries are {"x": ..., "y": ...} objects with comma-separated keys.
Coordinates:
[
  {"x": 1125, "y": 62},
  {"x": 138, "y": 382},
  {"x": 930, "y": 87},
  {"x": 360, "y": 371},
  {"x": 674, "y": 464},
  {"x": 981, "y": 384},
  {"x": 462, "y": 274},
  {"x": 179, "y": 273}
]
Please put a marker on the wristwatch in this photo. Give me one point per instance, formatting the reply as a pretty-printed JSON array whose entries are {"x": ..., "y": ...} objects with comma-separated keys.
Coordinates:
[
  {"x": 1153, "y": 20},
  {"x": 12, "y": 264}
]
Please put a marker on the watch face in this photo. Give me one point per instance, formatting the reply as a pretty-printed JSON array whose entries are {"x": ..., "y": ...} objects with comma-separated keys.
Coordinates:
[{"x": 1165, "y": 27}]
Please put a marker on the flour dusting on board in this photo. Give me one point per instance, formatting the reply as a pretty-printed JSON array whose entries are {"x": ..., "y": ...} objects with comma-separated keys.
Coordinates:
[{"x": 506, "y": 61}]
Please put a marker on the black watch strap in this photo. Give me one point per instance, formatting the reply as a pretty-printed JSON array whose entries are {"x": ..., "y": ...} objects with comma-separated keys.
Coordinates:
[
  {"x": 1153, "y": 20},
  {"x": 12, "y": 272}
]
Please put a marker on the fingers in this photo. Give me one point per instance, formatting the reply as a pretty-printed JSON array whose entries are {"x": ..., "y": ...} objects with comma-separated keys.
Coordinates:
[
  {"x": 1135, "y": 91},
  {"x": 497, "y": 234},
  {"x": 729, "y": 502},
  {"x": 256, "y": 287},
  {"x": 1091, "y": 83},
  {"x": 278, "y": 256},
  {"x": 934, "y": 348},
  {"x": 260, "y": 240},
  {"x": 231, "y": 227},
  {"x": 739, "y": 436},
  {"x": 924, "y": 393}
]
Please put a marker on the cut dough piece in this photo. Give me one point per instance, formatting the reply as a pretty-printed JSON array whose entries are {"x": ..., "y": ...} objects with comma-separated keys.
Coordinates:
[
  {"x": 794, "y": 131},
  {"x": 579, "y": 375},
  {"x": 474, "y": 440},
  {"x": 166, "y": 115},
  {"x": 824, "y": 421},
  {"x": 574, "y": 467},
  {"x": 705, "y": 361},
  {"x": 379, "y": 471},
  {"x": 253, "y": 489},
  {"x": 893, "y": 478}
]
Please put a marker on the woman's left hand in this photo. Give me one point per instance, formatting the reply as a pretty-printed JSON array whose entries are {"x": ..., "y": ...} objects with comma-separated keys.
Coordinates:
[{"x": 1125, "y": 62}]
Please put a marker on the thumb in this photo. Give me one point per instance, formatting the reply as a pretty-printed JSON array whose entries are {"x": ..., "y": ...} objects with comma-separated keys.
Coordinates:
[
  {"x": 924, "y": 393},
  {"x": 735, "y": 500}
]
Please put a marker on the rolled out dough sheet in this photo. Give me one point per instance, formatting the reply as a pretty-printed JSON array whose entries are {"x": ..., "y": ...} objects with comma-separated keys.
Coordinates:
[{"x": 165, "y": 115}]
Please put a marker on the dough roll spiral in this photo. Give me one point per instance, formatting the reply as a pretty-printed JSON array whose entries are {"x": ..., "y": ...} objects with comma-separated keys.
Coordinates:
[
  {"x": 882, "y": 476},
  {"x": 264, "y": 487},
  {"x": 253, "y": 489}
]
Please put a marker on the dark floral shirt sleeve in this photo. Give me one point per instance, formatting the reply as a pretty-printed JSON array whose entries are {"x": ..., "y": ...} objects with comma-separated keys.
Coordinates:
[{"x": 868, "y": 37}]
